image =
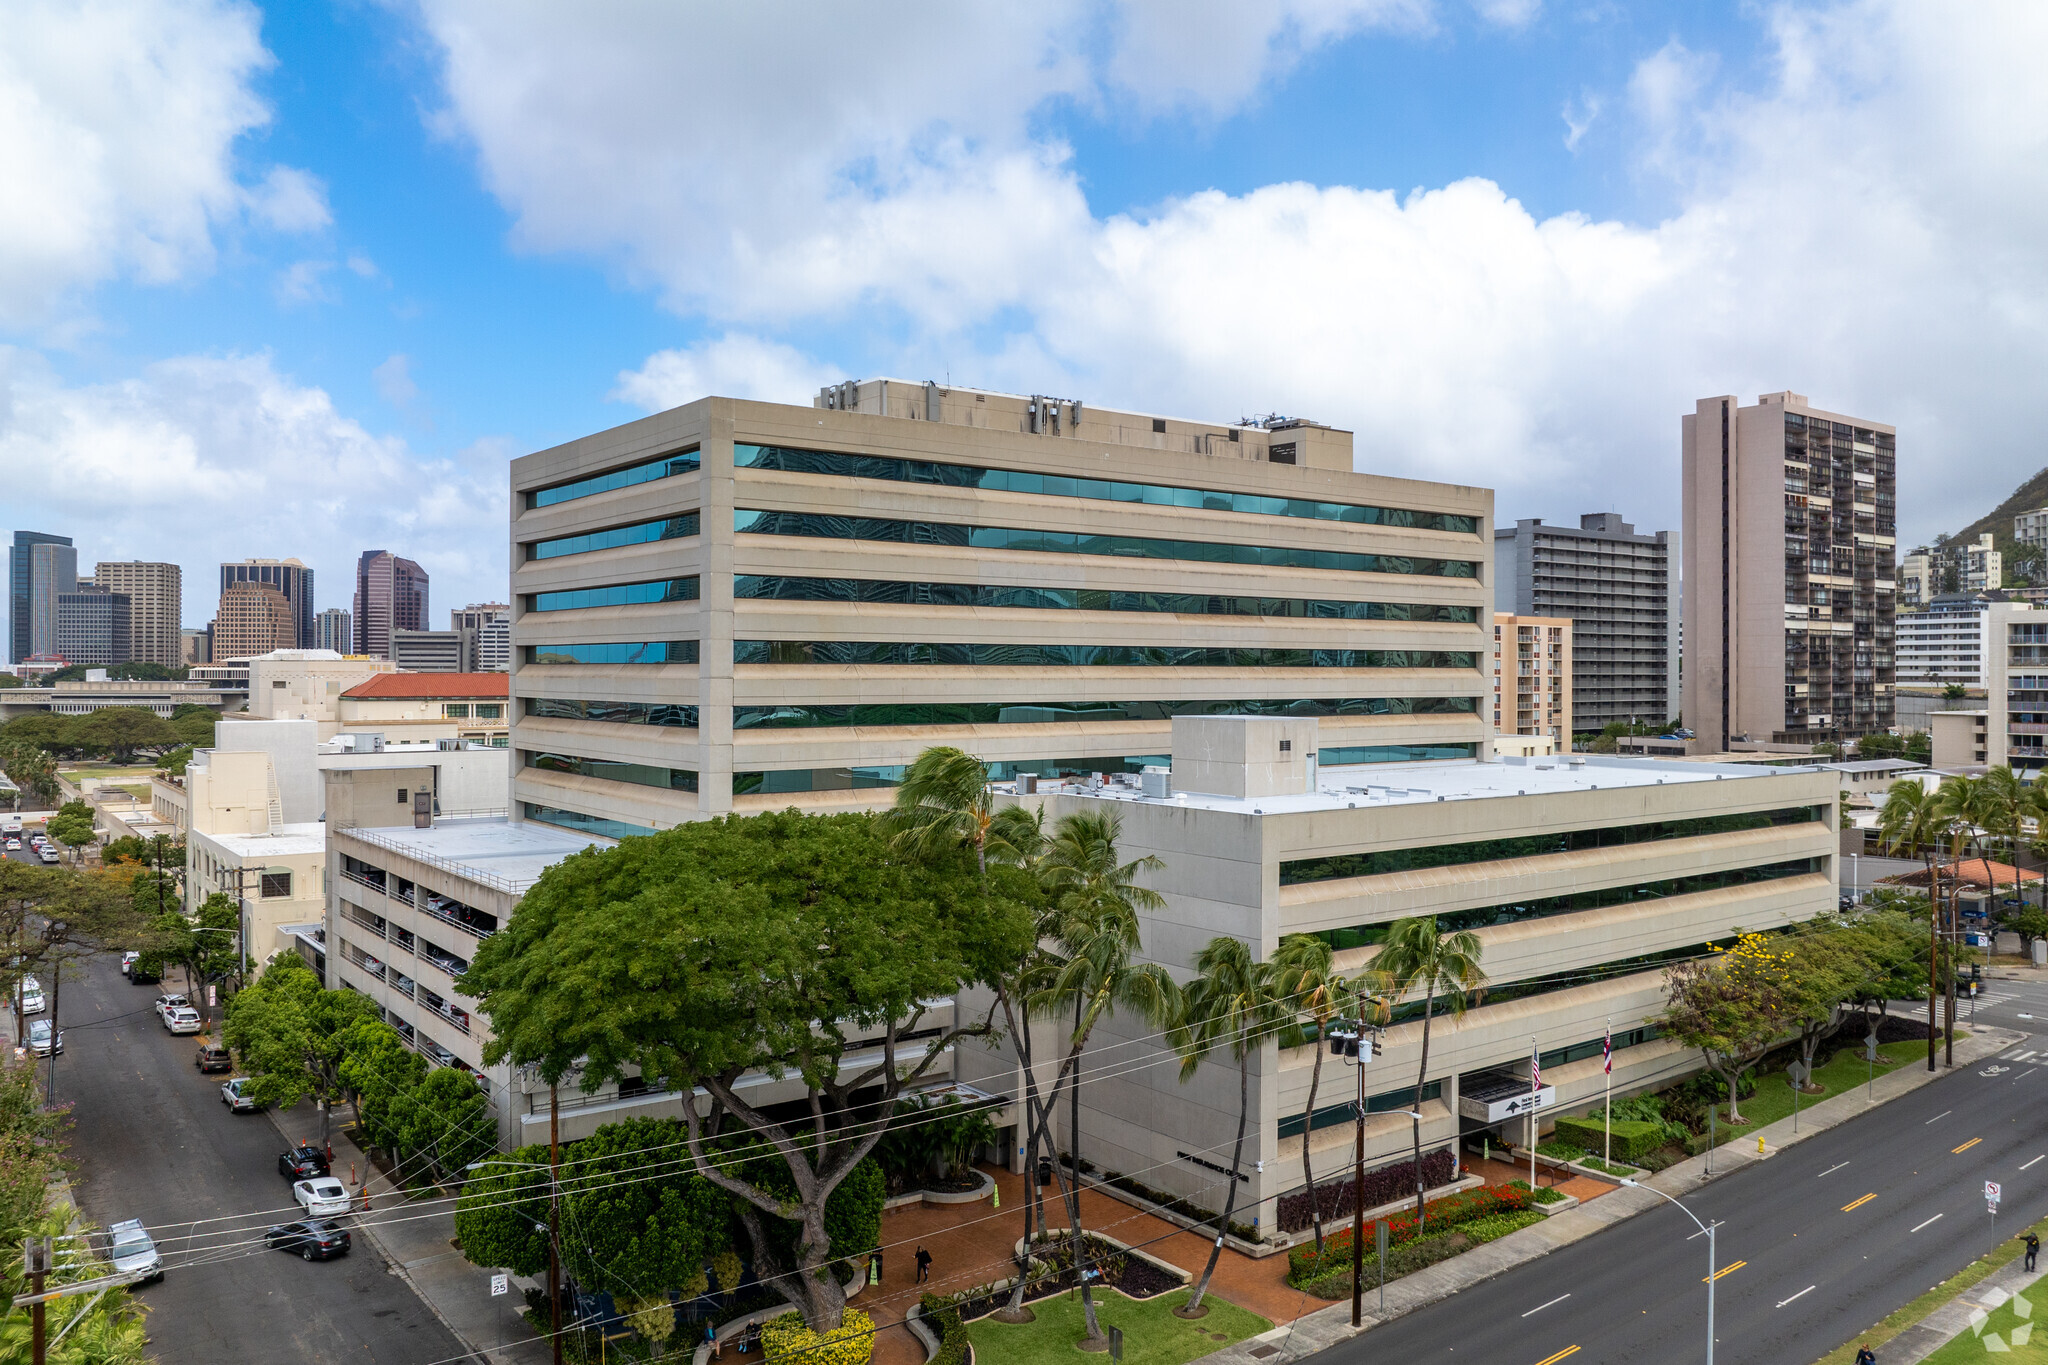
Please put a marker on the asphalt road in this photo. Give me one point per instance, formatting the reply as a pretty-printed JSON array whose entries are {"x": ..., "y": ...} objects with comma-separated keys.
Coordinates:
[
  {"x": 1814, "y": 1245},
  {"x": 152, "y": 1140}
]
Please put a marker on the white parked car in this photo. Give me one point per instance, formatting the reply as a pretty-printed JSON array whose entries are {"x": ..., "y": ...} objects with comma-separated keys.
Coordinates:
[
  {"x": 50, "y": 855},
  {"x": 166, "y": 1003},
  {"x": 43, "y": 1039},
  {"x": 32, "y": 1001},
  {"x": 321, "y": 1197},
  {"x": 182, "y": 1020},
  {"x": 135, "y": 1252},
  {"x": 128, "y": 961},
  {"x": 13, "y": 844},
  {"x": 235, "y": 1095}
]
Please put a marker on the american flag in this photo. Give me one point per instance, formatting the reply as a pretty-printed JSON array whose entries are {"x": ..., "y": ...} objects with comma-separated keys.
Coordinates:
[
  {"x": 1607, "y": 1052},
  {"x": 1535, "y": 1068}
]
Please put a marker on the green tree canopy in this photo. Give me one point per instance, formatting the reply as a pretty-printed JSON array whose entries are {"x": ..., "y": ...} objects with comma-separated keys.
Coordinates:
[
  {"x": 194, "y": 726},
  {"x": 502, "y": 1217},
  {"x": 1731, "y": 1006},
  {"x": 775, "y": 943},
  {"x": 121, "y": 732},
  {"x": 289, "y": 1033}
]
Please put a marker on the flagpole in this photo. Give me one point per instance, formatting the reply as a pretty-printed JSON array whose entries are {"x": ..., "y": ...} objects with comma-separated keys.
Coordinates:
[
  {"x": 1535, "y": 1080},
  {"x": 1607, "y": 1105}
]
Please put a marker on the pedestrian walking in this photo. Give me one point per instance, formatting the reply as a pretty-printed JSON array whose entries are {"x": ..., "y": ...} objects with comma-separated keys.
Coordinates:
[
  {"x": 2033, "y": 1249},
  {"x": 924, "y": 1265},
  {"x": 1865, "y": 1356}
]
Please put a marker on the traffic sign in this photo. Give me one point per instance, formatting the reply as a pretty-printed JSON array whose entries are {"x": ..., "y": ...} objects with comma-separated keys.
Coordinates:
[
  {"x": 1991, "y": 1191},
  {"x": 501, "y": 1284}
]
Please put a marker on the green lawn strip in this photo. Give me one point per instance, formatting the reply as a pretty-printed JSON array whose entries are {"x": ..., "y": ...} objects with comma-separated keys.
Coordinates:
[
  {"x": 1426, "y": 1251},
  {"x": 1773, "y": 1098},
  {"x": 1152, "y": 1334},
  {"x": 2025, "y": 1341},
  {"x": 1898, "y": 1321}
]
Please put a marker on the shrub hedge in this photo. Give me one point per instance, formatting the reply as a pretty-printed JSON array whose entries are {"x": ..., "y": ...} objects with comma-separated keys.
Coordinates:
[
  {"x": 1452, "y": 1212},
  {"x": 786, "y": 1339},
  {"x": 942, "y": 1315},
  {"x": 1382, "y": 1186},
  {"x": 1425, "y": 1252},
  {"x": 1632, "y": 1137}
]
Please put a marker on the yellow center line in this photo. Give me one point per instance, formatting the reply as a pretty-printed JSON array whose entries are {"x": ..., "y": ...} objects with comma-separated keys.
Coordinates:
[
  {"x": 1965, "y": 1147},
  {"x": 1859, "y": 1203},
  {"x": 1552, "y": 1360},
  {"x": 1725, "y": 1270}
]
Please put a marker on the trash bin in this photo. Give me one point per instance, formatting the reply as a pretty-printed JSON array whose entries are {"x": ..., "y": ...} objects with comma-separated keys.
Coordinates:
[{"x": 2041, "y": 952}]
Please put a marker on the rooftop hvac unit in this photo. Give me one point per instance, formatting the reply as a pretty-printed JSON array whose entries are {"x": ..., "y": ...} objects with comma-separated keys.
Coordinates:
[{"x": 1157, "y": 783}]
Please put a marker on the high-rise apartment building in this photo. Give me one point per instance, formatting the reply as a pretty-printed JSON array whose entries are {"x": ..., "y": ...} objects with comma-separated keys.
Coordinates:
[
  {"x": 255, "y": 618},
  {"x": 739, "y": 606},
  {"x": 1947, "y": 641},
  {"x": 2011, "y": 726},
  {"x": 293, "y": 580},
  {"x": 94, "y": 626},
  {"x": 1617, "y": 587},
  {"x": 24, "y": 592},
  {"x": 1532, "y": 677},
  {"x": 1790, "y": 529},
  {"x": 334, "y": 629},
  {"x": 2031, "y": 528},
  {"x": 391, "y": 595},
  {"x": 155, "y": 593}
]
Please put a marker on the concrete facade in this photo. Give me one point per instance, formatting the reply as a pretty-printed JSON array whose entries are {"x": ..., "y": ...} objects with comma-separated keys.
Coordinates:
[
  {"x": 1946, "y": 641},
  {"x": 1620, "y": 590},
  {"x": 156, "y": 603},
  {"x": 431, "y": 706},
  {"x": 1710, "y": 850},
  {"x": 1789, "y": 536},
  {"x": 435, "y": 651},
  {"x": 1532, "y": 678},
  {"x": 93, "y": 626},
  {"x": 254, "y": 618},
  {"x": 924, "y": 566},
  {"x": 293, "y": 582},
  {"x": 306, "y": 684},
  {"x": 2012, "y": 725}
]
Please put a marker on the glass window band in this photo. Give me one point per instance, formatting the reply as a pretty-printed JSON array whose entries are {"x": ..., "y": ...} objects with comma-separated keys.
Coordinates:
[
  {"x": 579, "y": 822},
  {"x": 1068, "y": 656},
  {"x": 750, "y": 522},
  {"x": 843, "y": 465},
  {"x": 616, "y": 595},
  {"x": 639, "y": 533},
  {"x": 791, "y": 589},
  {"x": 639, "y": 652},
  {"x": 646, "y": 471},
  {"x": 612, "y": 712},
  {"x": 639, "y": 774},
  {"x": 1037, "y": 713}
]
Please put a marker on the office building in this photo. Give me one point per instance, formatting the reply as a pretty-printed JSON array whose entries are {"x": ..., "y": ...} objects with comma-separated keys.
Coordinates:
[
  {"x": 1947, "y": 641},
  {"x": 307, "y": 684},
  {"x": 431, "y": 706},
  {"x": 293, "y": 580},
  {"x": 2011, "y": 725},
  {"x": 391, "y": 595},
  {"x": 434, "y": 651},
  {"x": 1617, "y": 587},
  {"x": 255, "y": 618},
  {"x": 477, "y": 615},
  {"x": 39, "y": 566},
  {"x": 1788, "y": 541},
  {"x": 94, "y": 626},
  {"x": 494, "y": 646},
  {"x": 334, "y": 629},
  {"x": 1583, "y": 877},
  {"x": 155, "y": 593},
  {"x": 195, "y": 645},
  {"x": 1978, "y": 564},
  {"x": 739, "y": 606},
  {"x": 1532, "y": 678}
]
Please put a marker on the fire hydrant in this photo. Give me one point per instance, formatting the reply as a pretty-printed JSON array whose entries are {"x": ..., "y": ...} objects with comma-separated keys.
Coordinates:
[{"x": 1759, "y": 1144}]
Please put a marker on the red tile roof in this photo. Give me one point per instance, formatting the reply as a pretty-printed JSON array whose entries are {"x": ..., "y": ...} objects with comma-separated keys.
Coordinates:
[{"x": 422, "y": 686}]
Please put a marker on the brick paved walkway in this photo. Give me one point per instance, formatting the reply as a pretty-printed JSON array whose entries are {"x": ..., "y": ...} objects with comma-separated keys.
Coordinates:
[{"x": 1581, "y": 1187}]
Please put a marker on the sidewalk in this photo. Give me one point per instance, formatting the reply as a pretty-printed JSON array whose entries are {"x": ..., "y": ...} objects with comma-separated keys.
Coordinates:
[
  {"x": 1938, "y": 1328},
  {"x": 417, "y": 1240},
  {"x": 1330, "y": 1326}
]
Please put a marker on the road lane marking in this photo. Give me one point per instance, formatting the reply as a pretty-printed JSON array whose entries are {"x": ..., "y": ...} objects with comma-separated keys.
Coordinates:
[
  {"x": 1552, "y": 1360},
  {"x": 1859, "y": 1203},
  {"x": 1730, "y": 1270},
  {"x": 1541, "y": 1306},
  {"x": 2028, "y": 1072},
  {"x": 1965, "y": 1147},
  {"x": 2027, "y": 1056},
  {"x": 1829, "y": 1171},
  {"x": 1939, "y": 1117},
  {"x": 1936, "y": 1218},
  {"x": 1800, "y": 1295},
  {"x": 2030, "y": 1163}
]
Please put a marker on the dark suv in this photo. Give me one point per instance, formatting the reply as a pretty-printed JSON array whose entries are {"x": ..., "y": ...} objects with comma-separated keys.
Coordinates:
[
  {"x": 302, "y": 1162},
  {"x": 213, "y": 1057}
]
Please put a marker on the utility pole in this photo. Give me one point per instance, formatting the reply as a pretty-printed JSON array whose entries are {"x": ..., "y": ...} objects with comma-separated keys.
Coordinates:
[
  {"x": 37, "y": 1252},
  {"x": 1358, "y": 1207},
  {"x": 554, "y": 1222}
]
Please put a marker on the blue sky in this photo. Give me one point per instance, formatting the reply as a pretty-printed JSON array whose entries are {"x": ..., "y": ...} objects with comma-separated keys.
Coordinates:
[{"x": 312, "y": 273}]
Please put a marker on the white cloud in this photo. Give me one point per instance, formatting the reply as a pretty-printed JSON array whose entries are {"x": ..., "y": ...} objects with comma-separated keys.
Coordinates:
[
  {"x": 1578, "y": 115},
  {"x": 117, "y": 122},
  {"x": 732, "y": 366},
  {"x": 290, "y": 200},
  {"x": 364, "y": 267},
  {"x": 303, "y": 282},
  {"x": 394, "y": 381},
  {"x": 1509, "y": 13},
  {"x": 206, "y": 459},
  {"x": 1862, "y": 224}
]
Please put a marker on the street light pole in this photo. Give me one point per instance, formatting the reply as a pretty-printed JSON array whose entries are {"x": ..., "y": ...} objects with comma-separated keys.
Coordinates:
[{"x": 1707, "y": 1228}]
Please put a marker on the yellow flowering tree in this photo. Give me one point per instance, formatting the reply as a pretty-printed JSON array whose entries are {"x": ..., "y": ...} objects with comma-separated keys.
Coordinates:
[{"x": 1731, "y": 1005}]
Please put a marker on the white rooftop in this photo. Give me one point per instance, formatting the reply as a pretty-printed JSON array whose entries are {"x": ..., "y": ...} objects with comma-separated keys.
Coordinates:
[
  {"x": 310, "y": 837},
  {"x": 494, "y": 851},
  {"x": 1385, "y": 784}
]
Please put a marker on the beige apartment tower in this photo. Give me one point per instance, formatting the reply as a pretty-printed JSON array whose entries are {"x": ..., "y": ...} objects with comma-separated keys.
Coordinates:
[
  {"x": 739, "y": 606},
  {"x": 1790, "y": 532},
  {"x": 155, "y": 594},
  {"x": 1532, "y": 678}
]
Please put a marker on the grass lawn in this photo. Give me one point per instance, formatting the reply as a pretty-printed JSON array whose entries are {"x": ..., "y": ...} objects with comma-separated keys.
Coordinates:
[
  {"x": 1773, "y": 1098},
  {"x": 2011, "y": 1331},
  {"x": 1152, "y": 1334},
  {"x": 74, "y": 771}
]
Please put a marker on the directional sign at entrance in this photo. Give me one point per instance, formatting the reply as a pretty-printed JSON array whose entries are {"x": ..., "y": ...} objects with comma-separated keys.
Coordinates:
[{"x": 1507, "y": 1106}]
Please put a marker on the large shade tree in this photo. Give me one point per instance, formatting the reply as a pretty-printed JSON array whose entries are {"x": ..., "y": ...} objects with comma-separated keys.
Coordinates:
[{"x": 780, "y": 943}]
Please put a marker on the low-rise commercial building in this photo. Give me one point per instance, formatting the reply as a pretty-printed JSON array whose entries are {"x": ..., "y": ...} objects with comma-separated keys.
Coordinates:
[
  {"x": 434, "y": 651},
  {"x": 465, "y": 706},
  {"x": 307, "y": 684}
]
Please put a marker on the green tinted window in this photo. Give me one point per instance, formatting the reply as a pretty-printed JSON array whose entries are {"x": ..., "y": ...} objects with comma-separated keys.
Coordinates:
[
  {"x": 616, "y": 595},
  {"x": 641, "y": 533},
  {"x": 1068, "y": 656},
  {"x": 1034, "y": 713},
  {"x": 1085, "y": 599},
  {"x": 642, "y": 652},
  {"x": 612, "y": 712},
  {"x": 581, "y": 823},
  {"x": 639, "y": 774},
  {"x": 645, "y": 472}
]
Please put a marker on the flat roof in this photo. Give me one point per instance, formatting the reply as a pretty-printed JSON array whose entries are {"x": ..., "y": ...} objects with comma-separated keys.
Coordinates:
[
  {"x": 493, "y": 851},
  {"x": 1410, "y": 784},
  {"x": 287, "y": 840}
]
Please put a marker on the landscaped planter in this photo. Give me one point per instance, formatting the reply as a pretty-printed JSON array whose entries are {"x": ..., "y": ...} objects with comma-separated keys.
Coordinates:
[
  {"x": 1557, "y": 1206},
  {"x": 941, "y": 1197}
]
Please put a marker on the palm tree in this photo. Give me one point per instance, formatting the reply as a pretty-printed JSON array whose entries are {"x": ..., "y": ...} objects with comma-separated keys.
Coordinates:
[
  {"x": 1955, "y": 812},
  {"x": 1907, "y": 824},
  {"x": 943, "y": 801},
  {"x": 1309, "y": 986},
  {"x": 1418, "y": 955},
  {"x": 2002, "y": 801},
  {"x": 1093, "y": 922},
  {"x": 1233, "y": 997}
]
